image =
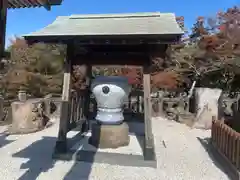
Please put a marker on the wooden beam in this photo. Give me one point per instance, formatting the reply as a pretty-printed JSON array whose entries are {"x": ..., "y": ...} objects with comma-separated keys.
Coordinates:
[
  {"x": 87, "y": 98},
  {"x": 107, "y": 39},
  {"x": 88, "y": 84},
  {"x": 149, "y": 152},
  {"x": 3, "y": 22},
  {"x": 61, "y": 144},
  {"x": 117, "y": 42},
  {"x": 112, "y": 58}
]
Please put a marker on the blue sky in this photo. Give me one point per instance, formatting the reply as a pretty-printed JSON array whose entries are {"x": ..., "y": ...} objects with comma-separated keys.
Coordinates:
[{"x": 22, "y": 21}]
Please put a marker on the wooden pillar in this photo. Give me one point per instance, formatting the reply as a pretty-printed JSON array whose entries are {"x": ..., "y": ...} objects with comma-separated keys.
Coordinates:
[
  {"x": 88, "y": 90},
  {"x": 3, "y": 21},
  {"x": 87, "y": 97},
  {"x": 61, "y": 144},
  {"x": 149, "y": 152}
]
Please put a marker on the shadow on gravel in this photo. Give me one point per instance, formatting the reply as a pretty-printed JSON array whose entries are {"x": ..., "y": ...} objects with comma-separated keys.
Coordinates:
[
  {"x": 216, "y": 158},
  {"x": 3, "y": 140},
  {"x": 39, "y": 155},
  {"x": 80, "y": 170},
  {"x": 137, "y": 129}
]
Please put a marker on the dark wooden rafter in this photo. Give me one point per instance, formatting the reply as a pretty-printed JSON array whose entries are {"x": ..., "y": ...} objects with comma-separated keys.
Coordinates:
[
  {"x": 3, "y": 20},
  {"x": 16, "y": 4}
]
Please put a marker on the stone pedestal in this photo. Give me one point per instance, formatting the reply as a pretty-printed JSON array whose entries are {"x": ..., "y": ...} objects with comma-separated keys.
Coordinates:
[
  {"x": 109, "y": 136},
  {"x": 27, "y": 117}
]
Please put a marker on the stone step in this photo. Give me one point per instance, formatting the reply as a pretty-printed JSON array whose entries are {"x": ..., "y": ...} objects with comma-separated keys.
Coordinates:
[{"x": 134, "y": 147}]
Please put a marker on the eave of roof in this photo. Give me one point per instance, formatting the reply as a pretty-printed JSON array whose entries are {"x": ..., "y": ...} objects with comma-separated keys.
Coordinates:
[{"x": 16, "y": 4}]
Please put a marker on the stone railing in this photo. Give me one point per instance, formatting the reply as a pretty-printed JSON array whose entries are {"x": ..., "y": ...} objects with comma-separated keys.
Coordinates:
[{"x": 230, "y": 104}]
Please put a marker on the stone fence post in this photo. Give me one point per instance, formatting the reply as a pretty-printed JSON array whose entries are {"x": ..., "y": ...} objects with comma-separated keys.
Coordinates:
[
  {"x": 1, "y": 108},
  {"x": 22, "y": 95}
]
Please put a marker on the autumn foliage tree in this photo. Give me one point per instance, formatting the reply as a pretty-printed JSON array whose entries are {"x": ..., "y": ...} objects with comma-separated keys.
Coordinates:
[
  {"x": 210, "y": 54},
  {"x": 219, "y": 38},
  {"x": 36, "y": 68}
]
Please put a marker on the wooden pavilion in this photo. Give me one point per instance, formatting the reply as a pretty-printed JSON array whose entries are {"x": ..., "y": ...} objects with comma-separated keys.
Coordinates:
[
  {"x": 16, "y": 4},
  {"x": 108, "y": 39}
]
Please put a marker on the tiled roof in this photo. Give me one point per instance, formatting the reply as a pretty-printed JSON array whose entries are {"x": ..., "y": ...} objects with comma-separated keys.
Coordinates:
[{"x": 112, "y": 24}]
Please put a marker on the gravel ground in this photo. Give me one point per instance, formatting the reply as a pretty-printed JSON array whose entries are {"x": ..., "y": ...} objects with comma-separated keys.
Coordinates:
[{"x": 180, "y": 156}]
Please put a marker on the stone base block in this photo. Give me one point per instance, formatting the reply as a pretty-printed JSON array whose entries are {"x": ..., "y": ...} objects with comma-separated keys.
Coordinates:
[
  {"x": 27, "y": 117},
  {"x": 186, "y": 118},
  {"x": 109, "y": 136}
]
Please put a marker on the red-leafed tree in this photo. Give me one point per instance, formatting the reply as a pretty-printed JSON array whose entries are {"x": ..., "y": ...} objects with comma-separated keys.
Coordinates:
[
  {"x": 220, "y": 36},
  {"x": 211, "y": 52},
  {"x": 219, "y": 39}
]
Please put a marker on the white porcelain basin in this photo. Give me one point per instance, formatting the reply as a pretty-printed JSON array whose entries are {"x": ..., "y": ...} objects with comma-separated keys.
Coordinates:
[{"x": 110, "y": 93}]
